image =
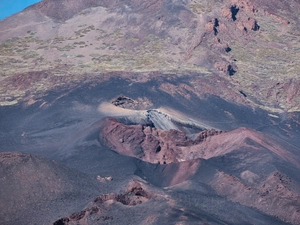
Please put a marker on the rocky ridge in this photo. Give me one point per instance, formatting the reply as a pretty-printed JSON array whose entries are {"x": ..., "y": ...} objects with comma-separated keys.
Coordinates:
[
  {"x": 151, "y": 144},
  {"x": 171, "y": 146}
]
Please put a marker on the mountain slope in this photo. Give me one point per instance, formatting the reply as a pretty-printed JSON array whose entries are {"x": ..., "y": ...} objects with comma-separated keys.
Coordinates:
[
  {"x": 252, "y": 45},
  {"x": 150, "y": 112}
]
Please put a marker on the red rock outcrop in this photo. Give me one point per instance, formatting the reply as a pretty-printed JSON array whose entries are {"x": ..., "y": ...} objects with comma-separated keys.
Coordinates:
[
  {"x": 246, "y": 5},
  {"x": 170, "y": 146},
  {"x": 136, "y": 194},
  {"x": 148, "y": 143}
]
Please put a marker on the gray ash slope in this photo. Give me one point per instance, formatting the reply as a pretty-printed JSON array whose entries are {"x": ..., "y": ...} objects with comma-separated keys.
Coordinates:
[
  {"x": 35, "y": 190},
  {"x": 66, "y": 129}
]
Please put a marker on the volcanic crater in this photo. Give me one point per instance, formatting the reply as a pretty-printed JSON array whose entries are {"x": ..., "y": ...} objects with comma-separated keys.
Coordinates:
[{"x": 150, "y": 112}]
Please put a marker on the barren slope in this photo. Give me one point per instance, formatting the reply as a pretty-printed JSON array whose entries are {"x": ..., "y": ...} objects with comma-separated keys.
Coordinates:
[
  {"x": 31, "y": 184},
  {"x": 250, "y": 46},
  {"x": 150, "y": 112}
]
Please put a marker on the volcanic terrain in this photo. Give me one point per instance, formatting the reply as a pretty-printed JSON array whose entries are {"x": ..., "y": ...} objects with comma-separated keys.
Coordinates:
[{"x": 150, "y": 112}]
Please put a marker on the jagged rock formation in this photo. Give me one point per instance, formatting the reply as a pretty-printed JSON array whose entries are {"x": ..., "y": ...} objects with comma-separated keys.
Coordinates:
[
  {"x": 266, "y": 192},
  {"x": 128, "y": 103},
  {"x": 151, "y": 144},
  {"x": 96, "y": 210},
  {"x": 163, "y": 147}
]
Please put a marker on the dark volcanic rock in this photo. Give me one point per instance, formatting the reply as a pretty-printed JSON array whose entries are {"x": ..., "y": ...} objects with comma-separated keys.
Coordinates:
[
  {"x": 141, "y": 203},
  {"x": 273, "y": 194},
  {"x": 129, "y": 103},
  {"x": 137, "y": 193}
]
